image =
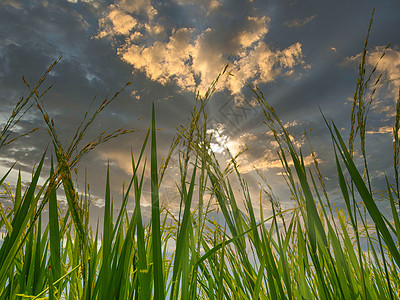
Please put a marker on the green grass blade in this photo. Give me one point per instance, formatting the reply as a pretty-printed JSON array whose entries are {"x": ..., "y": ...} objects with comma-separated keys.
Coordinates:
[
  {"x": 55, "y": 256},
  {"x": 314, "y": 221},
  {"x": 143, "y": 267},
  {"x": 395, "y": 214},
  {"x": 182, "y": 240},
  {"x": 155, "y": 218},
  {"x": 7, "y": 173}
]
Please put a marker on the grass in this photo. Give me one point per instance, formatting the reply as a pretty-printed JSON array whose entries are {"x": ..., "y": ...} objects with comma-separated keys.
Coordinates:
[{"x": 314, "y": 250}]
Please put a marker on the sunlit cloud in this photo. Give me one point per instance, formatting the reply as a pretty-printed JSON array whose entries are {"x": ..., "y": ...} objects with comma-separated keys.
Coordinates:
[
  {"x": 192, "y": 57},
  {"x": 256, "y": 150},
  {"x": 388, "y": 66},
  {"x": 381, "y": 130},
  {"x": 163, "y": 61},
  {"x": 138, "y": 6},
  {"x": 120, "y": 158},
  {"x": 269, "y": 160},
  {"x": 117, "y": 22}
]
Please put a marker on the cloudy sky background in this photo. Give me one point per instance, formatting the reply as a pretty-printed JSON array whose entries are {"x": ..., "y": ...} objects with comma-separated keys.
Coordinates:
[{"x": 302, "y": 54}]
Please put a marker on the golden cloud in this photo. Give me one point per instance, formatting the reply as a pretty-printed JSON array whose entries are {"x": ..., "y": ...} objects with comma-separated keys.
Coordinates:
[{"x": 193, "y": 58}]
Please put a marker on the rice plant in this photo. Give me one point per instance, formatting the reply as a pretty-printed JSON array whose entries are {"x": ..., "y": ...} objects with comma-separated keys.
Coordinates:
[{"x": 311, "y": 251}]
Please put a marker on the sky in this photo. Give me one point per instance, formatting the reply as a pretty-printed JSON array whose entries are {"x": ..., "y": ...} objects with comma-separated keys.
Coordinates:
[{"x": 303, "y": 55}]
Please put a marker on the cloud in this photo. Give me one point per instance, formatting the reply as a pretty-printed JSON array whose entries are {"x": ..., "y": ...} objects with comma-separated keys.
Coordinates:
[
  {"x": 263, "y": 65},
  {"x": 121, "y": 158},
  {"x": 118, "y": 19},
  {"x": 259, "y": 149},
  {"x": 381, "y": 130},
  {"x": 192, "y": 55},
  {"x": 298, "y": 23},
  {"x": 204, "y": 4},
  {"x": 163, "y": 62},
  {"x": 121, "y": 23},
  {"x": 138, "y": 6},
  {"x": 268, "y": 162},
  {"x": 388, "y": 66},
  {"x": 13, "y": 3}
]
